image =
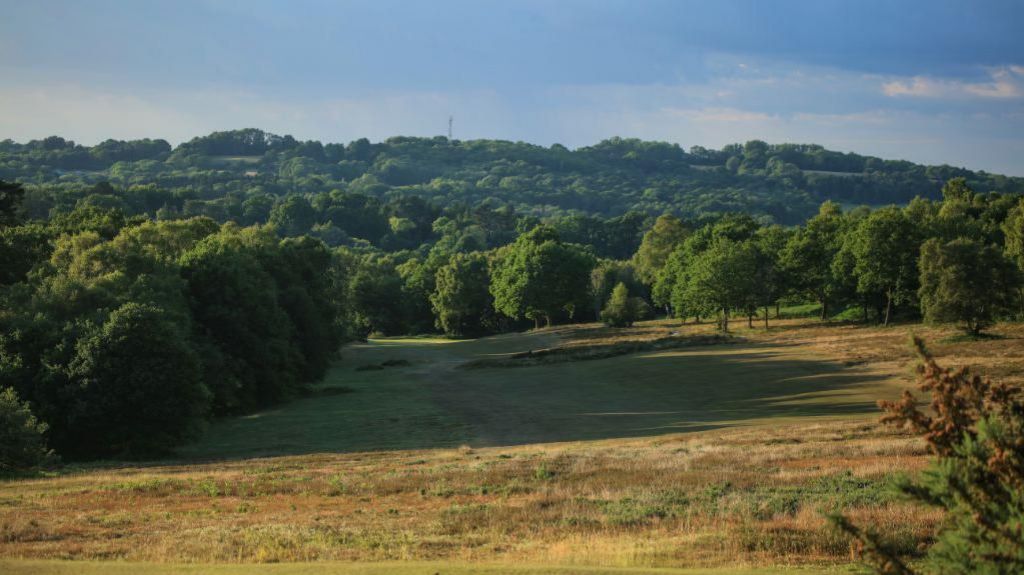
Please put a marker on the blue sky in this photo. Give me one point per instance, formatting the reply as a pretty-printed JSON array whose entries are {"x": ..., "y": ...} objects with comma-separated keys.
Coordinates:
[{"x": 934, "y": 82}]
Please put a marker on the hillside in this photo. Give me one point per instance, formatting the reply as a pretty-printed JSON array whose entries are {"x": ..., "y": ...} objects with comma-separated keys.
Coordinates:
[{"x": 239, "y": 174}]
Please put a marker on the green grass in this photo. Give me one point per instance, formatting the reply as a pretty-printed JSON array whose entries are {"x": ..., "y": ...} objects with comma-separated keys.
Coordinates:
[
  {"x": 430, "y": 403},
  {"x": 35, "y": 567}
]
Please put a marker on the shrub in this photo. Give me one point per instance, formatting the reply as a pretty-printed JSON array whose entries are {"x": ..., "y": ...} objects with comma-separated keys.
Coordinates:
[{"x": 976, "y": 430}]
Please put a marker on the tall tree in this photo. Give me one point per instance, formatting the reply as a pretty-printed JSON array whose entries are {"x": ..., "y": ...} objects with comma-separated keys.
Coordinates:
[
  {"x": 667, "y": 233},
  {"x": 966, "y": 282},
  {"x": 134, "y": 385},
  {"x": 808, "y": 255},
  {"x": 884, "y": 247},
  {"x": 723, "y": 278},
  {"x": 461, "y": 300},
  {"x": 1013, "y": 231},
  {"x": 540, "y": 277}
]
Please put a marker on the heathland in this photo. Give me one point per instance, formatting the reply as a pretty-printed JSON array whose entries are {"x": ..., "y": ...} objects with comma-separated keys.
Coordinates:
[{"x": 648, "y": 447}]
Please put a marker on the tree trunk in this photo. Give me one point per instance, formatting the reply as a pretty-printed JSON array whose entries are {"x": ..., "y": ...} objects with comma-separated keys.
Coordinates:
[
  {"x": 864, "y": 308},
  {"x": 750, "y": 320},
  {"x": 536, "y": 322},
  {"x": 725, "y": 320},
  {"x": 824, "y": 309},
  {"x": 766, "y": 316},
  {"x": 547, "y": 320},
  {"x": 778, "y": 310},
  {"x": 888, "y": 309}
]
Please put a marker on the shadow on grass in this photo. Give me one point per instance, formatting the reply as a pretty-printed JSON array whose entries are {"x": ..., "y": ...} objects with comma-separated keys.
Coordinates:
[{"x": 434, "y": 405}]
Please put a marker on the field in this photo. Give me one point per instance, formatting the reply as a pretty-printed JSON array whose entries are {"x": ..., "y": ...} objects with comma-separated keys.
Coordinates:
[{"x": 716, "y": 457}]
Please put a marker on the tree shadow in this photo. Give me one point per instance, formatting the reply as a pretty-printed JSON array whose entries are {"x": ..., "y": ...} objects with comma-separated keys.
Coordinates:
[
  {"x": 433, "y": 405},
  {"x": 655, "y": 393}
]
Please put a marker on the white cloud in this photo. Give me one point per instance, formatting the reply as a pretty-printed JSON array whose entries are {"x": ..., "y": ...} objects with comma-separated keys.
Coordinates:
[
  {"x": 1004, "y": 83},
  {"x": 972, "y": 123}
]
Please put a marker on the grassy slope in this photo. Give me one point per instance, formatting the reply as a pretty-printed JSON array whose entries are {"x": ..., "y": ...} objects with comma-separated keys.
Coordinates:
[
  {"x": 745, "y": 494},
  {"x": 431, "y": 403}
]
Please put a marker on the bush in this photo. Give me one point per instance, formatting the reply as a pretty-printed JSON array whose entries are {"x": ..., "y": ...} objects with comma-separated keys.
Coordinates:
[
  {"x": 22, "y": 446},
  {"x": 622, "y": 310},
  {"x": 137, "y": 387},
  {"x": 976, "y": 430}
]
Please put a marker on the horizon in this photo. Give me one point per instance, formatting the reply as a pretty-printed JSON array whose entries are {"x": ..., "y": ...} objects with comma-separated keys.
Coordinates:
[
  {"x": 870, "y": 78},
  {"x": 686, "y": 149}
]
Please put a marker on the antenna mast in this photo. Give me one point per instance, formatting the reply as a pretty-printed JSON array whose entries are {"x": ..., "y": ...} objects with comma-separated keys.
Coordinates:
[{"x": 450, "y": 120}]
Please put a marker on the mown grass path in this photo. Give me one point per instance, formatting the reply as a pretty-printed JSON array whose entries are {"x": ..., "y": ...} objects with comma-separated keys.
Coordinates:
[{"x": 428, "y": 402}]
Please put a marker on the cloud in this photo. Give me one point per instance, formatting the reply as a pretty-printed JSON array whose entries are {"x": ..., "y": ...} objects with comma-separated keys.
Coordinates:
[
  {"x": 924, "y": 119},
  {"x": 1004, "y": 83}
]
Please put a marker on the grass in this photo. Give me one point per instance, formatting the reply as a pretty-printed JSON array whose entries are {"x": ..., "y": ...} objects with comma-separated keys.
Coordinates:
[
  {"x": 391, "y": 568},
  {"x": 719, "y": 457},
  {"x": 425, "y": 401}
]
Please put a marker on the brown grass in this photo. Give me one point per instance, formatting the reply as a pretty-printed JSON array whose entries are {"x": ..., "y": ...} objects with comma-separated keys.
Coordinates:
[{"x": 741, "y": 496}]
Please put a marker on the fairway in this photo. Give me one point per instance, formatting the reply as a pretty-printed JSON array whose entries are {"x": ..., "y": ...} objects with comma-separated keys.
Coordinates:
[{"x": 427, "y": 401}]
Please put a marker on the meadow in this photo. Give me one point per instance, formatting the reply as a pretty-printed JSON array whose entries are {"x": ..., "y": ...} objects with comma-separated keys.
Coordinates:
[{"x": 720, "y": 458}]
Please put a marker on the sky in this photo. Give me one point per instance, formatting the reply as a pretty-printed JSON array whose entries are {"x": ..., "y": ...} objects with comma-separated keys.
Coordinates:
[{"x": 936, "y": 82}]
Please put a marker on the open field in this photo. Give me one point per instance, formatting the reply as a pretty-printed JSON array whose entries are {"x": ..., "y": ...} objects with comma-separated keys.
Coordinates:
[
  {"x": 716, "y": 457},
  {"x": 384, "y": 568}
]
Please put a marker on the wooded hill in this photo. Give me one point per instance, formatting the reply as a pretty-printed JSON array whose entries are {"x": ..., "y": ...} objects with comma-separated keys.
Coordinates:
[{"x": 239, "y": 175}]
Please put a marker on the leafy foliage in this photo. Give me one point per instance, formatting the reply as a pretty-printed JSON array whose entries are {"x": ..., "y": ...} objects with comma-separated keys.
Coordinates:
[
  {"x": 622, "y": 310},
  {"x": 967, "y": 282},
  {"x": 22, "y": 446},
  {"x": 541, "y": 277}
]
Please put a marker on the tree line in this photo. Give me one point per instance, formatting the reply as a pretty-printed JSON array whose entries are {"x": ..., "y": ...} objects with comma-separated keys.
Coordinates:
[
  {"x": 124, "y": 333},
  {"x": 239, "y": 175}
]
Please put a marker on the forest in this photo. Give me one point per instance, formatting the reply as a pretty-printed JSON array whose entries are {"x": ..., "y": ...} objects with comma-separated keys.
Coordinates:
[{"x": 146, "y": 290}]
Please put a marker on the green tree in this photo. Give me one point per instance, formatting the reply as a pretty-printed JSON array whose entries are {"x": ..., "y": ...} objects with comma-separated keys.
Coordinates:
[
  {"x": 22, "y": 445},
  {"x": 722, "y": 278},
  {"x": 1013, "y": 231},
  {"x": 966, "y": 282},
  {"x": 622, "y": 310},
  {"x": 461, "y": 300},
  {"x": 376, "y": 298},
  {"x": 293, "y": 216},
  {"x": 772, "y": 278},
  {"x": 884, "y": 248},
  {"x": 247, "y": 343},
  {"x": 136, "y": 387},
  {"x": 11, "y": 196},
  {"x": 667, "y": 233},
  {"x": 540, "y": 277},
  {"x": 606, "y": 275},
  {"x": 21, "y": 249},
  {"x": 807, "y": 257}
]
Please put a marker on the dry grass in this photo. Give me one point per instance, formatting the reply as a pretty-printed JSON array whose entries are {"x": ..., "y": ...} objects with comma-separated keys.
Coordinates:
[
  {"x": 750, "y": 495},
  {"x": 729, "y": 497}
]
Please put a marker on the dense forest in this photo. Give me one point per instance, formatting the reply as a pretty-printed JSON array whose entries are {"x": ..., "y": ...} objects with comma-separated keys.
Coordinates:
[
  {"x": 355, "y": 190},
  {"x": 146, "y": 289}
]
